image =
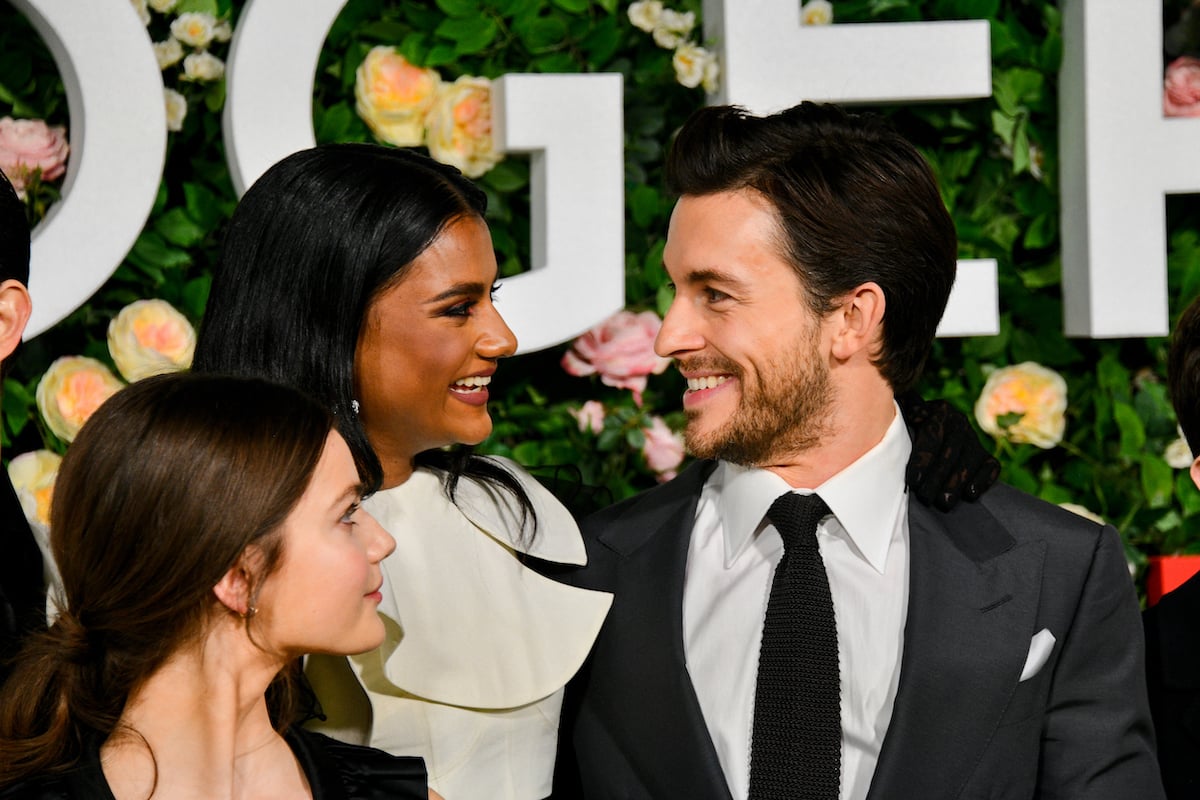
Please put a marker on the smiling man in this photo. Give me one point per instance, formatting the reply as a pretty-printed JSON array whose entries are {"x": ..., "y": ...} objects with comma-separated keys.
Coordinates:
[{"x": 786, "y": 623}]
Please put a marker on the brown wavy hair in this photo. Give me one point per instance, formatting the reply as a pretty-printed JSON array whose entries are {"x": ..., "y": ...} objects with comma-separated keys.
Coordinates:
[{"x": 157, "y": 498}]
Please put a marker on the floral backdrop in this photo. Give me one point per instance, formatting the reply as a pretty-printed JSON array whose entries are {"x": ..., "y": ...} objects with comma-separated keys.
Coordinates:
[{"x": 1086, "y": 423}]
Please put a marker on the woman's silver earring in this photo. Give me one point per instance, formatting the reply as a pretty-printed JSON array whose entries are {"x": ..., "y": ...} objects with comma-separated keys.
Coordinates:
[{"x": 354, "y": 406}]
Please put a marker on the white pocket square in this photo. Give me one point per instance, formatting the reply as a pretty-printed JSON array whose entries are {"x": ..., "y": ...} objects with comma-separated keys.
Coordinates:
[{"x": 1040, "y": 647}]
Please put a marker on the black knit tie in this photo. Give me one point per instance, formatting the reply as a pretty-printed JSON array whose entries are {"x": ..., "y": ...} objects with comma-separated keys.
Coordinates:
[{"x": 796, "y": 747}]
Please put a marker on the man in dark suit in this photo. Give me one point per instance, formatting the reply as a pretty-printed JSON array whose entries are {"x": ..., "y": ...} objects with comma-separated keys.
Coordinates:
[
  {"x": 1173, "y": 625},
  {"x": 22, "y": 593},
  {"x": 988, "y": 651}
]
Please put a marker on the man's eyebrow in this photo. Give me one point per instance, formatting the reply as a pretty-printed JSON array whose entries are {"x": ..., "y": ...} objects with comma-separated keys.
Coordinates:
[{"x": 713, "y": 275}]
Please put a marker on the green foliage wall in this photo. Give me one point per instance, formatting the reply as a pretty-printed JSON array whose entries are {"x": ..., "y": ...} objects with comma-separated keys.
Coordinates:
[{"x": 996, "y": 159}]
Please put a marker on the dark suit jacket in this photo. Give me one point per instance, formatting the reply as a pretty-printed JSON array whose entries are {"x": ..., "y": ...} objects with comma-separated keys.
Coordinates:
[
  {"x": 984, "y": 578},
  {"x": 1173, "y": 677},
  {"x": 22, "y": 591}
]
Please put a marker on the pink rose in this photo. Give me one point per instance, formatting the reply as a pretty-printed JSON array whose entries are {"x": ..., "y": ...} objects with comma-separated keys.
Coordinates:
[
  {"x": 663, "y": 449},
  {"x": 621, "y": 350},
  {"x": 29, "y": 145},
  {"x": 1181, "y": 88},
  {"x": 590, "y": 416}
]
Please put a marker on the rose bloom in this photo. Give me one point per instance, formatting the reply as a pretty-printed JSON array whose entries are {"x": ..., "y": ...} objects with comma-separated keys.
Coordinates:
[
  {"x": 620, "y": 350},
  {"x": 143, "y": 13},
  {"x": 194, "y": 28},
  {"x": 1181, "y": 88},
  {"x": 1037, "y": 394},
  {"x": 645, "y": 14},
  {"x": 176, "y": 109},
  {"x": 663, "y": 449},
  {"x": 30, "y": 145},
  {"x": 676, "y": 22},
  {"x": 460, "y": 126},
  {"x": 590, "y": 416},
  {"x": 392, "y": 96},
  {"x": 32, "y": 475},
  {"x": 163, "y": 6},
  {"x": 817, "y": 12},
  {"x": 168, "y": 53},
  {"x": 691, "y": 63},
  {"x": 70, "y": 392},
  {"x": 149, "y": 337},
  {"x": 203, "y": 67},
  {"x": 1177, "y": 454},
  {"x": 712, "y": 75},
  {"x": 222, "y": 31},
  {"x": 666, "y": 38}
]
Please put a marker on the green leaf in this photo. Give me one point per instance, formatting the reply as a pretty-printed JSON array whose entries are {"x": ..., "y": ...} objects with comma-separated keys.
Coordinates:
[
  {"x": 572, "y": 6},
  {"x": 470, "y": 35},
  {"x": 459, "y": 8},
  {"x": 543, "y": 33},
  {"x": 198, "y": 6},
  {"x": 508, "y": 176},
  {"x": 202, "y": 205},
  {"x": 177, "y": 228},
  {"x": 1157, "y": 481},
  {"x": 440, "y": 55},
  {"x": 644, "y": 205},
  {"x": 1133, "y": 433}
]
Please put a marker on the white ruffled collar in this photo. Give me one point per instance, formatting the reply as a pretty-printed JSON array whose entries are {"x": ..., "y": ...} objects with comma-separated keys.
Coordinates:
[{"x": 479, "y": 629}]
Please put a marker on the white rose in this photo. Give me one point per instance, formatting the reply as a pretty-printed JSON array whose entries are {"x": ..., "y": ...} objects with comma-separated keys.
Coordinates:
[
  {"x": 223, "y": 31},
  {"x": 194, "y": 28},
  {"x": 203, "y": 67},
  {"x": 645, "y": 14},
  {"x": 712, "y": 75},
  {"x": 676, "y": 22},
  {"x": 817, "y": 12},
  {"x": 143, "y": 13},
  {"x": 1084, "y": 512},
  {"x": 690, "y": 61},
  {"x": 1178, "y": 455},
  {"x": 168, "y": 53},
  {"x": 163, "y": 6},
  {"x": 177, "y": 109},
  {"x": 32, "y": 476}
]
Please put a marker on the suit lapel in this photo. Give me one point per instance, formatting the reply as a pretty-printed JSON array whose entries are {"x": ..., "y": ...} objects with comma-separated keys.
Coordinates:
[
  {"x": 973, "y": 597},
  {"x": 661, "y": 715}
]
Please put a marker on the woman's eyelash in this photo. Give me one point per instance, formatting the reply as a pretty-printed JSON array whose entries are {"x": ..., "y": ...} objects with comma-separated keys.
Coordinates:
[{"x": 348, "y": 517}]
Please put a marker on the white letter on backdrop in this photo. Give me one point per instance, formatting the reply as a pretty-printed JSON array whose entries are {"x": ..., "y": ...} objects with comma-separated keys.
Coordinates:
[
  {"x": 571, "y": 124},
  {"x": 118, "y": 138},
  {"x": 770, "y": 61},
  {"x": 1120, "y": 157}
]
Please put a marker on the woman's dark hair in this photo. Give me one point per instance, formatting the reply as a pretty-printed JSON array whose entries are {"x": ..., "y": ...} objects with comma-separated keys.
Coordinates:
[
  {"x": 311, "y": 245},
  {"x": 157, "y": 498},
  {"x": 1183, "y": 373},
  {"x": 855, "y": 201}
]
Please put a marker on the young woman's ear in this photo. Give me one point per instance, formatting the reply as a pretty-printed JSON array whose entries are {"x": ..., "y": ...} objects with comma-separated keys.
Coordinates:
[{"x": 235, "y": 590}]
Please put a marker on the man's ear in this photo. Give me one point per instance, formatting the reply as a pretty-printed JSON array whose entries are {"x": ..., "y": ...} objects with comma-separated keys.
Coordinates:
[
  {"x": 15, "y": 308},
  {"x": 859, "y": 320}
]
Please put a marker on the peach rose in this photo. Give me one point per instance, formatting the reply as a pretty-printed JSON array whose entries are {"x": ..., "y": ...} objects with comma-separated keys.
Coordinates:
[
  {"x": 621, "y": 350},
  {"x": 149, "y": 337},
  {"x": 392, "y": 96},
  {"x": 460, "y": 126},
  {"x": 1036, "y": 395},
  {"x": 71, "y": 391},
  {"x": 590, "y": 416},
  {"x": 33, "y": 475},
  {"x": 663, "y": 448},
  {"x": 30, "y": 145},
  {"x": 1181, "y": 88}
]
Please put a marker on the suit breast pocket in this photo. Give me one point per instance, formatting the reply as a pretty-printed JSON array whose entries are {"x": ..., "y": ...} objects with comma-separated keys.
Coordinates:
[{"x": 1028, "y": 699}]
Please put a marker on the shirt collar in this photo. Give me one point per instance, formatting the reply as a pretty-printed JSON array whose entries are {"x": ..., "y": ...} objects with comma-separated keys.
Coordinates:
[{"x": 746, "y": 493}]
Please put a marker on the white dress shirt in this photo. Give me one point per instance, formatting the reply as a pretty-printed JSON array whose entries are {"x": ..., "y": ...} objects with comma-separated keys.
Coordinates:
[{"x": 731, "y": 561}]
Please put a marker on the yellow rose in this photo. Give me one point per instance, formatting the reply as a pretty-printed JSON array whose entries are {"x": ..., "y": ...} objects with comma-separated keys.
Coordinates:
[
  {"x": 71, "y": 390},
  {"x": 149, "y": 337},
  {"x": 460, "y": 126},
  {"x": 817, "y": 12},
  {"x": 33, "y": 475},
  {"x": 392, "y": 96},
  {"x": 1035, "y": 395}
]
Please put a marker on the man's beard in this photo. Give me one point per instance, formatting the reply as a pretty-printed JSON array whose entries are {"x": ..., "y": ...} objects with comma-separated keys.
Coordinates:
[{"x": 784, "y": 412}]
